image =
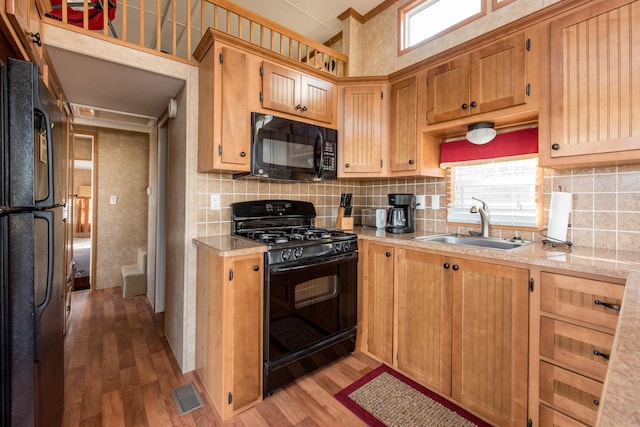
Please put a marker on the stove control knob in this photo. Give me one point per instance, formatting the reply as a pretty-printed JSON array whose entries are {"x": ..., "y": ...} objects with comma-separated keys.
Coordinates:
[
  {"x": 297, "y": 252},
  {"x": 346, "y": 246},
  {"x": 286, "y": 254},
  {"x": 338, "y": 248}
]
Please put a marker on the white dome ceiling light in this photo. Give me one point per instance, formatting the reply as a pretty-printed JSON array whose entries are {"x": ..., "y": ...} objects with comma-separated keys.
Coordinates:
[{"x": 481, "y": 133}]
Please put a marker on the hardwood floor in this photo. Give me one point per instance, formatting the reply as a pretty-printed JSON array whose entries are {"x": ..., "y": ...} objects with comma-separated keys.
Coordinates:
[{"x": 120, "y": 371}]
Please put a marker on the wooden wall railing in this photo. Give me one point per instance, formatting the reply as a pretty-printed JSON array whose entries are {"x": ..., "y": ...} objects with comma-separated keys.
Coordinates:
[{"x": 174, "y": 28}]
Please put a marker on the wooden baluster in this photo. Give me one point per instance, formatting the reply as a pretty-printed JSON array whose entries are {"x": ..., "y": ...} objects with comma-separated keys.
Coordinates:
[
  {"x": 124, "y": 20},
  {"x": 174, "y": 44},
  {"x": 141, "y": 26},
  {"x": 85, "y": 15},
  {"x": 158, "y": 46}
]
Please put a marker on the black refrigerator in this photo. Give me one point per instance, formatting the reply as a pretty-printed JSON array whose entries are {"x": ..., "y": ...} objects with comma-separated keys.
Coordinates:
[{"x": 32, "y": 249}]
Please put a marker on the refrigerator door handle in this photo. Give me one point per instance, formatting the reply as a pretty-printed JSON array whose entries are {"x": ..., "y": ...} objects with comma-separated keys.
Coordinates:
[
  {"x": 49, "y": 200},
  {"x": 47, "y": 216}
]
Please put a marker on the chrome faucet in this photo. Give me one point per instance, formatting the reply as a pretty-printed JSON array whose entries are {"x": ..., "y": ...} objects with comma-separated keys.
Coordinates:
[{"x": 484, "y": 216}]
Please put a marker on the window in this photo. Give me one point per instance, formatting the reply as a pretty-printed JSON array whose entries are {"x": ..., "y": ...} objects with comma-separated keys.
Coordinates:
[
  {"x": 497, "y": 4},
  {"x": 510, "y": 188},
  {"x": 423, "y": 19}
]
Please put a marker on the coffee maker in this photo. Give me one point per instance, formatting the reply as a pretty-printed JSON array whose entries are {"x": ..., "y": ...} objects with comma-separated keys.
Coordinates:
[{"x": 401, "y": 216}]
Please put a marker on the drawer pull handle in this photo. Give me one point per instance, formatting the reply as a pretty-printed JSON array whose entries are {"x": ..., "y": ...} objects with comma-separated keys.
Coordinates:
[
  {"x": 615, "y": 307},
  {"x": 596, "y": 402},
  {"x": 603, "y": 355}
]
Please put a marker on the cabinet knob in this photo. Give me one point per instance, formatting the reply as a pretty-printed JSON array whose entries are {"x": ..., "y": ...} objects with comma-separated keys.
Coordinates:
[
  {"x": 347, "y": 165},
  {"x": 304, "y": 108},
  {"x": 555, "y": 147},
  {"x": 596, "y": 402},
  {"x": 446, "y": 265},
  {"x": 388, "y": 254},
  {"x": 455, "y": 267},
  {"x": 256, "y": 267},
  {"x": 464, "y": 106},
  {"x": 243, "y": 154},
  {"x": 474, "y": 104},
  {"x": 298, "y": 107},
  {"x": 410, "y": 161}
]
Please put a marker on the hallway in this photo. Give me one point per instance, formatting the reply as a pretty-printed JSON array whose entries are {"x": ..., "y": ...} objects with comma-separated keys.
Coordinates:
[{"x": 120, "y": 371}]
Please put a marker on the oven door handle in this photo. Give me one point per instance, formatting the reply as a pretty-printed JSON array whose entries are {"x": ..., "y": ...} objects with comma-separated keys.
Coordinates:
[{"x": 332, "y": 260}]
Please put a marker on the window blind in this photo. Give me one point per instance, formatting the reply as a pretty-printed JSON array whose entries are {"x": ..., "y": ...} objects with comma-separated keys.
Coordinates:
[{"x": 508, "y": 187}]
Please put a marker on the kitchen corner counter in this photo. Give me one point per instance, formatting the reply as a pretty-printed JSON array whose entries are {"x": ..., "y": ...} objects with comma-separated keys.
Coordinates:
[
  {"x": 230, "y": 245},
  {"x": 619, "y": 404},
  {"x": 614, "y": 264},
  {"x": 622, "y": 387}
]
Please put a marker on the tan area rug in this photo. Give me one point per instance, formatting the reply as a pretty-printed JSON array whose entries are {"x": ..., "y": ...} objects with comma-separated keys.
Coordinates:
[{"x": 385, "y": 397}]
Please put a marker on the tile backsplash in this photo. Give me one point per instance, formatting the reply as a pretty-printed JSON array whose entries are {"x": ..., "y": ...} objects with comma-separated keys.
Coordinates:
[{"x": 606, "y": 202}]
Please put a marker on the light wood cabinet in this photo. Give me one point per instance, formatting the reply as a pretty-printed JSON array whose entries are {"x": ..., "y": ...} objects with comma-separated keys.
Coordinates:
[
  {"x": 403, "y": 150},
  {"x": 378, "y": 300},
  {"x": 411, "y": 153},
  {"x": 224, "y": 134},
  {"x": 229, "y": 329},
  {"x": 594, "y": 59},
  {"x": 461, "y": 326},
  {"x": 363, "y": 132},
  {"x": 25, "y": 20},
  {"x": 424, "y": 318},
  {"x": 487, "y": 79},
  {"x": 577, "y": 321},
  {"x": 490, "y": 340},
  {"x": 293, "y": 92}
]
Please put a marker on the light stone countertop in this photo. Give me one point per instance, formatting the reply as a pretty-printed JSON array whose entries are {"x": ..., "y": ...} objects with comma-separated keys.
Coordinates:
[
  {"x": 230, "y": 245},
  {"x": 622, "y": 385}
]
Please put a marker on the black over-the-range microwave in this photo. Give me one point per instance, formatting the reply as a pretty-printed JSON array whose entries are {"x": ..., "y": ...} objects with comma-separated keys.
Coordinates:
[{"x": 291, "y": 150}]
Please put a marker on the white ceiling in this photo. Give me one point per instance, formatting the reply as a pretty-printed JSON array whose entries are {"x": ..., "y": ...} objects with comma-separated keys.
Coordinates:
[{"x": 88, "y": 81}]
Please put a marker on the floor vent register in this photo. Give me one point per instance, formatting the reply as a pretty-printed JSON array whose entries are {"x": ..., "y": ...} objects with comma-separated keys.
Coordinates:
[{"x": 187, "y": 398}]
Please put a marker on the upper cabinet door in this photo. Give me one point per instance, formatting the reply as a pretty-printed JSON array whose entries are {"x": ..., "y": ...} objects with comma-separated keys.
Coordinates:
[
  {"x": 293, "y": 92},
  {"x": 403, "y": 150},
  {"x": 448, "y": 91},
  {"x": 316, "y": 98},
  {"x": 498, "y": 75},
  {"x": 224, "y": 134},
  {"x": 488, "y": 79},
  {"x": 361, "y": 141},
  {"x": 280, "y": 88},
  {"x": 595, "y": 55}
]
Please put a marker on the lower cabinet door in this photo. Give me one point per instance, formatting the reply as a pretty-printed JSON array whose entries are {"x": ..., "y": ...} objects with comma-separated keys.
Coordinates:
[
  {"x": 570, "y": 393},
  {"x": 424, "y": 319}
]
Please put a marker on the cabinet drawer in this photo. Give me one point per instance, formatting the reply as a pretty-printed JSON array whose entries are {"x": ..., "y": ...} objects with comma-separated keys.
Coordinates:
[
  {"x": 578, "y": 347},
  {"x": 573, "y": 394},
  {"x": 581, "y": 299},
  {"x": 549, "y": 417}
]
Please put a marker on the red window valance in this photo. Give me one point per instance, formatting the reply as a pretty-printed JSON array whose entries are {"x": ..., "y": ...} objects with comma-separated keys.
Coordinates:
[{"x": 509, "y": 144}]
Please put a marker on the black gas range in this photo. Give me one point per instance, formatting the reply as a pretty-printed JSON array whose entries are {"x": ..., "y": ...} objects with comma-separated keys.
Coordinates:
[
  {"x": 287, "y": 228},
  {"x": 310, "y": 287}
]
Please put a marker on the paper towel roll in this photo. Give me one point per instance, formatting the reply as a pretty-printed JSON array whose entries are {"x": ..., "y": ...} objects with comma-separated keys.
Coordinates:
[{"x": 561, "y": 205}]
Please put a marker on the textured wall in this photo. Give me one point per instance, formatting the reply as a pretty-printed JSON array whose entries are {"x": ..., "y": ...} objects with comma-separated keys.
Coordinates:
[
  {"x": 378, "y": 37},
  {"x": 122, "y": 161}
]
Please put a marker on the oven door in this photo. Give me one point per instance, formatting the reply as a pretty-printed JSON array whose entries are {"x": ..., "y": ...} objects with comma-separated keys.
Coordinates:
[{"x": 309, "y": 305}]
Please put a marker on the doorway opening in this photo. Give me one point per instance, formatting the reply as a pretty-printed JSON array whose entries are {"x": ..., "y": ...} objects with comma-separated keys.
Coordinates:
[{"x": 82, "y": 216}]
